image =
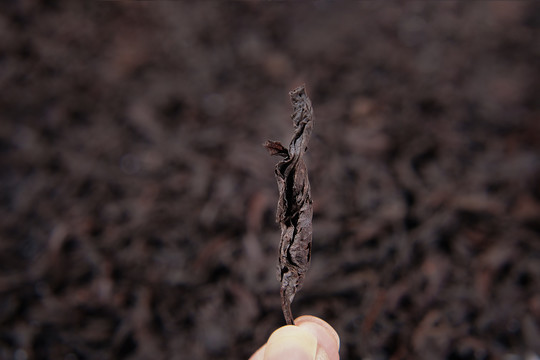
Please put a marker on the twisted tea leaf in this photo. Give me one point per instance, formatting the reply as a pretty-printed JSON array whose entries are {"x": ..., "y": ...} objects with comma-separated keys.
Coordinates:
[{"x": 294, "y": 209}]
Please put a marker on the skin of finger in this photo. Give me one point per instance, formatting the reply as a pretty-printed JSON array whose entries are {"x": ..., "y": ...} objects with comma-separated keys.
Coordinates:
[
  {"x": 321, "y": 354},
  {"x": 327, "y": 337},
  {"x": 260, "y": 353},
  {"x": 277, "y": 336},
  {"x": 291, "y": 342}
]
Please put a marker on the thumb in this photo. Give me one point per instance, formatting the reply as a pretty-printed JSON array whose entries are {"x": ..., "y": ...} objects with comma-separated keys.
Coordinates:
[
  {"x": 311, "y": 338},
  {"x": 291, "y": 342}
]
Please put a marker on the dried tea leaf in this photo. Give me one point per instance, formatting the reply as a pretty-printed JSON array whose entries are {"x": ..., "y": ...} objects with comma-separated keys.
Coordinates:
[{"x": 294, "y": 209}]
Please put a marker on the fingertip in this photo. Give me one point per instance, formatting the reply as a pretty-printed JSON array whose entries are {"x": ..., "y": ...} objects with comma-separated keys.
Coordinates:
[
  {"x": 291, "y": 342},
  {"x": 327, "y": 337},
  {"x": 322, "y": 355},
  {"x": 331, "y": 331}
]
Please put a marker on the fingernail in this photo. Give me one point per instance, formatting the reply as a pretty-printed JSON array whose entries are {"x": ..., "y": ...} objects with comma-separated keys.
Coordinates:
[{"x": 291, "y": 342}]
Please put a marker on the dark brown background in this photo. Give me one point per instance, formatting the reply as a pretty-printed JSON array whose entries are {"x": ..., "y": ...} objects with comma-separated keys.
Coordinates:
[{"x": 137, "y": 203}]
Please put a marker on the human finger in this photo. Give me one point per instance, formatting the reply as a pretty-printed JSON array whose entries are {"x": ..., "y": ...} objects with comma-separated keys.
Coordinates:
[
  {"x": 327, "y": 337},
  {"x": 299, "y": 342},
  {"x": 288, "y": 342}
]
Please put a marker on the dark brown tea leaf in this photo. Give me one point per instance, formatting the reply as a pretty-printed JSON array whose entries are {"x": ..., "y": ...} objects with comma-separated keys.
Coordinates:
[{"x": 294, "y": 209}]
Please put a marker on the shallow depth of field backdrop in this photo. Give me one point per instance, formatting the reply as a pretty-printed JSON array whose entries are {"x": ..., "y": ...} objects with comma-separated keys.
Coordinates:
[{"x": 137, "y": 203}]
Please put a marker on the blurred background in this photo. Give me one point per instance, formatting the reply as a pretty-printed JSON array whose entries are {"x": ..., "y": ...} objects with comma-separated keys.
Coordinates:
[{"x": 137, "y": 203}]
